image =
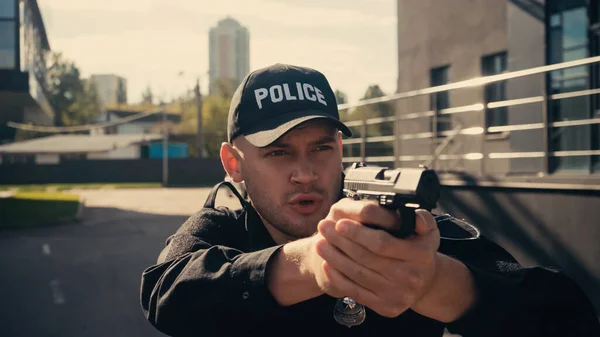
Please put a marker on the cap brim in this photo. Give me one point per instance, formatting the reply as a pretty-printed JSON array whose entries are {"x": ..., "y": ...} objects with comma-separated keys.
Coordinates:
[{"x": 272, "y": 129}]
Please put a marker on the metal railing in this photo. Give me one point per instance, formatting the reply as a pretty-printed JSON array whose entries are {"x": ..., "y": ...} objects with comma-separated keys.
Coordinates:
[{"x": 473, "y": 131}]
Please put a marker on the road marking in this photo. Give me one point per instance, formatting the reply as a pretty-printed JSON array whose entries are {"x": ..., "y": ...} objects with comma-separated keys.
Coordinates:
[
  {"x": 46, "y": 249},
  {"x": 57, "y": 294}
]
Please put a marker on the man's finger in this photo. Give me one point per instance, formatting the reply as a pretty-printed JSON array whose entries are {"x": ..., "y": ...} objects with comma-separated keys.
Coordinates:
[
  {"x": 353, "y": 290},
  {"x": 366, "y": 212},
  {"x": 377, "y": 241},
  {"x": 424, "y": 222},
  {"x": 356, "y": 272}
]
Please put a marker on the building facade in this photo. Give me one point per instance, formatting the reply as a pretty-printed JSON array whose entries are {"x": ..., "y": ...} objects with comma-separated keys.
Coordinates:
[
  {"x": 111, "y": 89},
  {"x": 441, "y": 43},
  {"x": 23, "y": 50},
  {"x": 518, "y": 157},
  {"x": 229, "y": 54}
]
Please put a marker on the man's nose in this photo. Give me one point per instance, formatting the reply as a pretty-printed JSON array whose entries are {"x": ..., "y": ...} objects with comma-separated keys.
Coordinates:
[{"x": 304, "y": 173}]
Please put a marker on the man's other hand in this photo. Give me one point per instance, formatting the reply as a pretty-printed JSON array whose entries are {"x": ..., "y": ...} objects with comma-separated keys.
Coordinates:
[{"x": 385, "y": 273}]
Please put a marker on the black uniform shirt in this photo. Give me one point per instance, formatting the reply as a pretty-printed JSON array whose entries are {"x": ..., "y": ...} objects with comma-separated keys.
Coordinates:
[{"x": 210, "y": 280}]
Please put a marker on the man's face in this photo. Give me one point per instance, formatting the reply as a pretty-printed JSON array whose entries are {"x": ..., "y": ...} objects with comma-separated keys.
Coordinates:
[{"x": 294, "y": 181}]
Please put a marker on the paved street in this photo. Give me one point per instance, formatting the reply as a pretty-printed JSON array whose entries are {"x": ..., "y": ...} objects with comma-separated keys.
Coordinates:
[{"x": 83, "y": 279}]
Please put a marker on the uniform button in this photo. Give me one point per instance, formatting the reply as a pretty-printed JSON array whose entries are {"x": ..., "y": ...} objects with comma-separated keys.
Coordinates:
[{"x": 245, "y": 295}]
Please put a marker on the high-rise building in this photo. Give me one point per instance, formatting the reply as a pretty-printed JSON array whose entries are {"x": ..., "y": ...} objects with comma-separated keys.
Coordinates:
[
  {"x": 111, "y": 89},
  {"x": 229, "y": 53},
  {"x": 23, "y": 50}
]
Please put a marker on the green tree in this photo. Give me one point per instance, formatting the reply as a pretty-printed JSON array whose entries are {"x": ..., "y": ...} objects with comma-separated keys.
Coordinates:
[
  {"x": 378, "y": 109},
  {"x": 215, "y": 109},
  {"x": 223, "y": 87},
  {"x": 375, "y": 110},
  {"x": 73, "y": 101},
  {"x": 84, "y": 109},
  {"x": 340, "y": 97}
]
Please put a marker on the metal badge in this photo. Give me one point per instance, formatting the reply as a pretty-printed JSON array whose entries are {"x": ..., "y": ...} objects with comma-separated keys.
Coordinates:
[{"x": 349, "y": 313}]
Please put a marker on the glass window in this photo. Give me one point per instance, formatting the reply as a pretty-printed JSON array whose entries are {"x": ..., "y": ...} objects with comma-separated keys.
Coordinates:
[
  {"x": 555, "y": 20},
  {"x": 493, "y": 92},
  {"x": 574, "y": 27},
  {"x": 568, "y": 41},
  {"x": 440, "y": 100},
  {"x": 7, "y": 45},
  {"x": 575, "y": 54},
  {"x": 7, "y": 9}
]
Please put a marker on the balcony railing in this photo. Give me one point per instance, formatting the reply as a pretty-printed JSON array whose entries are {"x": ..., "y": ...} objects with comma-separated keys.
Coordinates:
[{"x": 473, "y": 131}]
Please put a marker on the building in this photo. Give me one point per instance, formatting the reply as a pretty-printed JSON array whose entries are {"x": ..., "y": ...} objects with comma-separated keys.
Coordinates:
[
  {"x": 229, "y": 54},
  {"x": 111, "y": 89},
  {"x": 517, "y": 154},
  {"x": 439, "y": 44},
  {"x": 145, "y": 125},
  {"x": 24, "y": 47},
  {"x": 59, "y": 148},
  {"x": 519, "y": 157}
]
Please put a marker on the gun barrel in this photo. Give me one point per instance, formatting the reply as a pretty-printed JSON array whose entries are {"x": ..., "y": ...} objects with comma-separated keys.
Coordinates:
[{"x": 411, "y": 185}]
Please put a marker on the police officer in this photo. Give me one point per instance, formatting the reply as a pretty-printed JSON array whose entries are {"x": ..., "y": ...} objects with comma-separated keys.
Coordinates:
[{"x": 278, "y": 266}]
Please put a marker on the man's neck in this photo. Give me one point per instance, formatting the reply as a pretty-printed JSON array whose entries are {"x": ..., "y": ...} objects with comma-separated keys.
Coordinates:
[{"x": 277, "y": 236}]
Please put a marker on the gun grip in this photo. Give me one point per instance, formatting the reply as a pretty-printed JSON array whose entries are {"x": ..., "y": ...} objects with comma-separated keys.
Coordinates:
[{"x": 407, "y": 227}]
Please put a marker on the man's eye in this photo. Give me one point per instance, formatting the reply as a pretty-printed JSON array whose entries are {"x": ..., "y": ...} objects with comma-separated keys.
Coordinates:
[
  {"x": 324, "y": 148},
  {"x": 277, "y": 153}
]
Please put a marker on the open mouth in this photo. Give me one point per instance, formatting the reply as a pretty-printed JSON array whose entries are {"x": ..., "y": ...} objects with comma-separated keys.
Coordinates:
[{"x": 306, "y": 203}]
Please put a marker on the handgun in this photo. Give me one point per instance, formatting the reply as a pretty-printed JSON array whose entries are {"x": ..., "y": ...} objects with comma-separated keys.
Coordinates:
[{"x": 402, "y": 189}]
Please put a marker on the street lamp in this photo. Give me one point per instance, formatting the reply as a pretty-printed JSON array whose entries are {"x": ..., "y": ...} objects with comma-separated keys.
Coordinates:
[{"x": 165, "y": 156}]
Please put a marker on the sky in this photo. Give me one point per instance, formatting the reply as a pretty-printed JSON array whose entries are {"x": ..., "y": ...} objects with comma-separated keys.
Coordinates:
[{"x": 150, "y": 42}]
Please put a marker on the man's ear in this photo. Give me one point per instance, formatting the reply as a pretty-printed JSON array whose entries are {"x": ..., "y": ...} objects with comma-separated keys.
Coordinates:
[
  {"x": 339, "y": 139},
  {"x": 341, "y": 146},
  {"x": 230, "y": 158}
]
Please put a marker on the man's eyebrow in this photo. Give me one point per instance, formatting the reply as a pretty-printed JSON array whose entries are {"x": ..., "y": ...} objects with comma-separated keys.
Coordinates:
[
  {"x": 322, "y": 140},
  {"x": 278, "y": 144},
  {"x": 325, "y": 140}
]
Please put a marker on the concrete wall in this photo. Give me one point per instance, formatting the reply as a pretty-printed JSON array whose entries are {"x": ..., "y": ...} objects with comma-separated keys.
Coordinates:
[
  {"x": 130, "y": 152},
  {"x": 526, "y": 44},
  {"x": 539, "y": 227},
  {"x": 135, "y": 128},
  {"x": 535, "y": 228},
  {"x": 456, "y": 33},
  {"x": 433, "y": 34}
]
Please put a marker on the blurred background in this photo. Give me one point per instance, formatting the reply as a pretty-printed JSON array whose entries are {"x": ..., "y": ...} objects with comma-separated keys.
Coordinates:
[{"x": 112, "y": 115}]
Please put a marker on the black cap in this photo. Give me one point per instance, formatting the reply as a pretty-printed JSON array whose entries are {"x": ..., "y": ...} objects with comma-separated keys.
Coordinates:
[{"x": 271, "y": 101}]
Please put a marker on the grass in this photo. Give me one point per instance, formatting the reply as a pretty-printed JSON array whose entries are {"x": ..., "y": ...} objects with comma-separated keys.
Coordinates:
[
  {"x": 25, "y": 209},
  {"x": 64, "y": 187}
]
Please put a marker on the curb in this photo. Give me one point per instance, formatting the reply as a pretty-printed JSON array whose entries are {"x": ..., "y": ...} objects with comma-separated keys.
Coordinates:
[{"x": 80, "y": 209}]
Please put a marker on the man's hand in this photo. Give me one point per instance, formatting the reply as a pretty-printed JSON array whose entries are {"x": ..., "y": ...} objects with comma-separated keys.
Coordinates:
[
  {"x": 385, "y": 273},
  {"x": 297, "y": 273},
  {"x": 388, "y": 274}
]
